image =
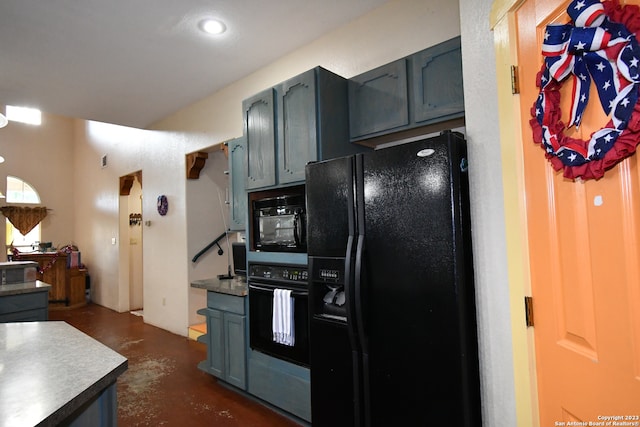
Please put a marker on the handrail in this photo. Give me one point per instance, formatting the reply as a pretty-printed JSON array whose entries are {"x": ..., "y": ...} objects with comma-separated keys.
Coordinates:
[{"x": 209, "y": 246}]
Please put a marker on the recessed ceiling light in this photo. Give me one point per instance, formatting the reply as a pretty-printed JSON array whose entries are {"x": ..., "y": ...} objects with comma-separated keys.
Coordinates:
[{"x": 212, "y": 26}]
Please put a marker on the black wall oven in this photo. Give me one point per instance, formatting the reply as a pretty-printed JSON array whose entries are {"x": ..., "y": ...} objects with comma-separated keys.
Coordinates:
[{"x": 263, "y": 280}]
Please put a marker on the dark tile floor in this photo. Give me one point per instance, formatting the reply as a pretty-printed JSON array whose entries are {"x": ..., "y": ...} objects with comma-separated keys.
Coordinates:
[{"x": 163, "y": 386}]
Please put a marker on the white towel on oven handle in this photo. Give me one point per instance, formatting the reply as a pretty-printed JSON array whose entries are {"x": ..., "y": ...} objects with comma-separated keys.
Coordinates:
[{"x": 283, "y": 320}]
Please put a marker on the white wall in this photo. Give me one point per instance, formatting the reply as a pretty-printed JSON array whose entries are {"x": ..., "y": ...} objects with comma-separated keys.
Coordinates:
[
  {"x": 207, "y": 218},
  {"x": 489, "y": 241},
  {"x": 161, "y": 158}
]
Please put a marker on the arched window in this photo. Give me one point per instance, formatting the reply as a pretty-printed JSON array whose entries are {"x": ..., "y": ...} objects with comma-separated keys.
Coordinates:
[{"x": 19, "y": 191}]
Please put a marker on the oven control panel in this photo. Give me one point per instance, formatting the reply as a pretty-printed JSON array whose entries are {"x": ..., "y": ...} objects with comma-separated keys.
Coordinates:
[{"x": 279, "y": 272}]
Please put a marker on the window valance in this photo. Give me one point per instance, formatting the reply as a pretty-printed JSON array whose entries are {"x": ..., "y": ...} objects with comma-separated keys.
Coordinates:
[{"x": 24, "y": 218}]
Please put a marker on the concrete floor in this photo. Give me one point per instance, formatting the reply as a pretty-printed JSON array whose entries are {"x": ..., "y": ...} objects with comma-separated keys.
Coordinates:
[{"x": 163, "y": 386}]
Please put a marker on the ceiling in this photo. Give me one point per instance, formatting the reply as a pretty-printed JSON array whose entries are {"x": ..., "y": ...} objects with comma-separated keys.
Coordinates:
[{"x": 133, "y": 62}]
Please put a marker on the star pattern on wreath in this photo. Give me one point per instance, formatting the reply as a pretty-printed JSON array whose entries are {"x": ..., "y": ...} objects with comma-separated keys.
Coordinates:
[{"x": 598, "y": 45}]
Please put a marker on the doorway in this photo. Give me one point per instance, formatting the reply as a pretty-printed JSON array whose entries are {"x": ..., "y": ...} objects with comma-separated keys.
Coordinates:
[{"x": 132, "y": 295}]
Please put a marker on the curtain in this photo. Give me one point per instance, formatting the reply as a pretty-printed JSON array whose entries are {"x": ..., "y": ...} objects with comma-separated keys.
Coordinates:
[{"x": 24, "y": 218}]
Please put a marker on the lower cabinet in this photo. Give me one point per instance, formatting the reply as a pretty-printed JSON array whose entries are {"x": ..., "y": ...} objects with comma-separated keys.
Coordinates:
[
  {"x": 225, "y": 338},
  {"x": 24, "y": 307},
  {"x": 282, "y": 384}
]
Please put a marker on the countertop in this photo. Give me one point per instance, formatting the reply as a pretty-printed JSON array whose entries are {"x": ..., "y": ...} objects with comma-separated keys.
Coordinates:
[
  {"x": 50, "y": 369},
  {"x": 24, "y": 288},
  {"x": 236, "y": 286}
]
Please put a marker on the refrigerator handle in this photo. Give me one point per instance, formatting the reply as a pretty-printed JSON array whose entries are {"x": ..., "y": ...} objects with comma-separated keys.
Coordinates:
[
  {"x": 350, "y": 296},
  {"x": 365, "y": 402},
  {"x": 358, "y": 291}
]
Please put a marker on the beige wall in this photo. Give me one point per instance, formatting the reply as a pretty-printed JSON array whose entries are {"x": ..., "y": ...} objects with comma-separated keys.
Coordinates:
[
  {"x": 43, "y": 157},
  {"x": 394, "y": 30}
]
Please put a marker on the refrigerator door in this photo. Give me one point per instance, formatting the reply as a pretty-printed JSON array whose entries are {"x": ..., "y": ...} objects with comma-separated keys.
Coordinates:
[
  {"x": 417, "y": 291},
  {"x": 329, "y": 187},
  {"x": 334, "y": 355}
]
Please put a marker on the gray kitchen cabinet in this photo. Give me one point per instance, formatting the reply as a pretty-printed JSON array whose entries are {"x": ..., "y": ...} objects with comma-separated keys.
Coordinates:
[
  {"x": 378, "y": 100},
  {"x": 237, "y": 149},
  {"x": 421, "y": 89},
  {"x": 282, "y": 384},
  {"x": 225, "y": 338},
  {"x": 24, "y": 304},
  {"x": 311, "y": 123},
  {"x": 437, "y": 83},
  {"x": 259, "y": 132}
]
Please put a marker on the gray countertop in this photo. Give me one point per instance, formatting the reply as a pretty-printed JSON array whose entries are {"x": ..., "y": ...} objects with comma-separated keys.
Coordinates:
[
  {"x": 50, "y": 369},
  {"x": 24, "y": 288},
  {"x": 236, "y": 286}
]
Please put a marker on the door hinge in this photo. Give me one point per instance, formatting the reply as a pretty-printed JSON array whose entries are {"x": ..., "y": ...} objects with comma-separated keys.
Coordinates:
[
  {"x": 528, "y": 310},
  {"x": 515, "y": 83}
]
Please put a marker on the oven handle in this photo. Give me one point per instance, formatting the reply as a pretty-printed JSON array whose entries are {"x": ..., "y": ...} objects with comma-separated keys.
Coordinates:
[{"x": 270, "y": 289}]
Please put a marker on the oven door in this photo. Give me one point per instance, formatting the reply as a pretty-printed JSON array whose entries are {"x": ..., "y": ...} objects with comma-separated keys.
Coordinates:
[{"x": 261, "y": 320}]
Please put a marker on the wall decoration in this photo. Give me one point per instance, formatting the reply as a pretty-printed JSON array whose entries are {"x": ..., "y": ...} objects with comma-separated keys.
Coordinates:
[
  {"x": 135, "y": 219},
  {"x": 599, "y": 44},
  {"x": 163, "y": 205}
]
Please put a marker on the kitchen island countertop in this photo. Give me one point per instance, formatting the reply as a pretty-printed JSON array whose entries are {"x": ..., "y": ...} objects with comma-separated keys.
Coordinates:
[
  {"x": 24, "y": 288},
  {"x": 51, "y": 371},
  {"x": 236, "y": 286}
]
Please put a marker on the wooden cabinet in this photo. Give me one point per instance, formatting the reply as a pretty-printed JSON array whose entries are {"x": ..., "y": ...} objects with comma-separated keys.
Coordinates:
[
  {"x": 419, "y": 90},
  {"x": 237, "y": 183},
  {"x": 67, "y": 284},
  {"x": 225, "y": 338},
  {"x": 309, "y": 122}
]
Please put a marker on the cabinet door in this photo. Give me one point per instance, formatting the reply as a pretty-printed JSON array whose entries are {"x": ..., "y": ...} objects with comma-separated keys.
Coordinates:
[
  {"x": 378, "y": 99},
  {"x": 215, "y": 347},
  {"x": 437, "y": 82},
  {"x": 237, "y": 182},
  {"x": 297, "y": 127},
  {"x": 235, "y": 350},
  {"x": 259, "y": 131}
]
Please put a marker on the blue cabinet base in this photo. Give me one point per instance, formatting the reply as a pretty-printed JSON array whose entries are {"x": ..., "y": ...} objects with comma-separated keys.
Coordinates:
[{"x": 282, "y": 384}]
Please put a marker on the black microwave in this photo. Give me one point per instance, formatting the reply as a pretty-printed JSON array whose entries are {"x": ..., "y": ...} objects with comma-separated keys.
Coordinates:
[{"x": 279, "y": 220}]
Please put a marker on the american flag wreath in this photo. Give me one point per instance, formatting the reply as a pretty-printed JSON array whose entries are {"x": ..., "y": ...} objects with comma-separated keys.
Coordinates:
[{"x": 598, "y": 45}]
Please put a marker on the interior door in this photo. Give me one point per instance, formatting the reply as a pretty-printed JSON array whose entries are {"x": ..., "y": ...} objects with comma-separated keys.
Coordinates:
[{"x": 584, "y": 248}]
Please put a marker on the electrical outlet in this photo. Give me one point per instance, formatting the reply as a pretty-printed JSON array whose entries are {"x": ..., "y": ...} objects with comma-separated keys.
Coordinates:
[
  {"x": 164, "y": 301},
  {"x": 113, "y": 240}
]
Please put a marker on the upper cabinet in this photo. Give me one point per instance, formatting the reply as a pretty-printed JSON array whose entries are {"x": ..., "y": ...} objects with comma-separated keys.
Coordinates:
[
  {"x": 259, "y": 133},
  {"x": 419, "y": 90},
  {"x": 237, "y": 149},
  {"x": 297, "y": 125},
  {"x": 436, "y": 79},
  {"x": 300, "y": 120},
  {"x": 378, "y": 100}
]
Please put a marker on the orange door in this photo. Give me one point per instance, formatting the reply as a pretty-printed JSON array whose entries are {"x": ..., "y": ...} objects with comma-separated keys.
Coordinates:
[{"x": 584, "y": 244}]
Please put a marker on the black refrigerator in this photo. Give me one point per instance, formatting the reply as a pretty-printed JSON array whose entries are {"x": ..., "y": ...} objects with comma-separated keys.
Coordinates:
[{"x": 393, "y": 338}]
